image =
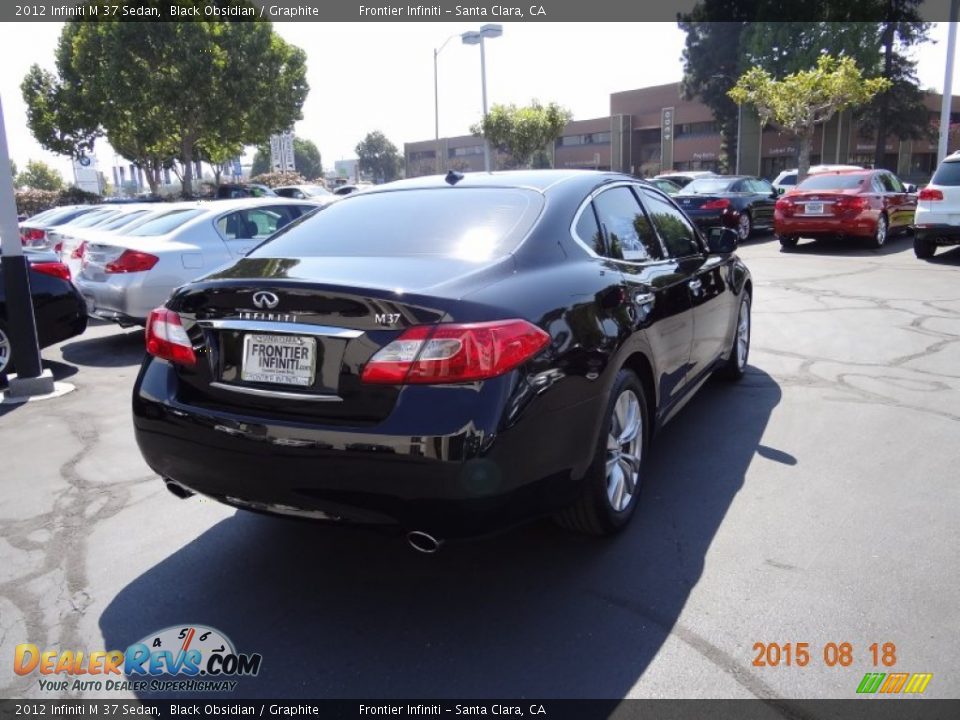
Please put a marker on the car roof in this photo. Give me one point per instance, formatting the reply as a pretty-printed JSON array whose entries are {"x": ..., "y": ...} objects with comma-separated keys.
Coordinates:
[{"x": 540, "y": 180}]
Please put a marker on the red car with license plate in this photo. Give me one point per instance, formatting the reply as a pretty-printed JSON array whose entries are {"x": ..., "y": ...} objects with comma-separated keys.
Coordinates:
[{"x": 869, "y": 204}]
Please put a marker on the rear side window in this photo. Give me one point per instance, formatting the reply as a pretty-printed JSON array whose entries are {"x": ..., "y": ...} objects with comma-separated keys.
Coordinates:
[
  {"x": 470, "y": 223},
  {"x": 675, "y": 230},
  {"x": 947, "y": 174},
  {"x": 627, "y": 229},
  {"x": 788, "y": 180},
  {"x": 164, "y": 224}
]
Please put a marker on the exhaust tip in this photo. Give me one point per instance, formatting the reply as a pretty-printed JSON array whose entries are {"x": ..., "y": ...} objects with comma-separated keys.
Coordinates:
[
  {"x": 423, "y": 542},
  {"x": 177, "y": 489}
]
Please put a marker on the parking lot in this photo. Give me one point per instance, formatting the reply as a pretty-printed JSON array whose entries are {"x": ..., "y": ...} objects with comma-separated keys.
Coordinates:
[{"x": 816, "y": 501}]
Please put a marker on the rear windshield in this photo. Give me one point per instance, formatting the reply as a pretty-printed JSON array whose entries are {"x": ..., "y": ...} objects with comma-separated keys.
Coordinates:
[
  {"x": 123, "y": 220},
  {"x": 469, "y": 223},
  {"x": 64, "y": 216},
  {"x": 706, "y": 186},
  {"x": 94, "y": 218},
  {"x": 165, "y": 223},
  {"x": 831, "y": 182},
  {"x": 947, "y": 174}
]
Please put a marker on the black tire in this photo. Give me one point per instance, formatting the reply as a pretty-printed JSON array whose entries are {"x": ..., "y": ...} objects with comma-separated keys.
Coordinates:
[
  {"x": 6, "y": 352},
  {"x": 924, "y": 248},
  {"x": 736, "y": 365},
  {"x": 744, "y": 229},
  {"x": 594, "y": 513},
  {"x": 881, "y": 234},
  {"x": 788, "y": 241}
]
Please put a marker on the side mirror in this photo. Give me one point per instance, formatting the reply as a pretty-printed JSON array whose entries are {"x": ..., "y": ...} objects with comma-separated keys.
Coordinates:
[
  {"x": 780, "y": 190},
  {"x": 910, "y": 188},
  {"x": 775, "y": 194},
  {"x": 721, "y": 241}
]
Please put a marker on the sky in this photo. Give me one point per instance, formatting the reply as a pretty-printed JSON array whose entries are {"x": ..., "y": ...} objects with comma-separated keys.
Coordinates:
[{"x": 379, "y": 76}]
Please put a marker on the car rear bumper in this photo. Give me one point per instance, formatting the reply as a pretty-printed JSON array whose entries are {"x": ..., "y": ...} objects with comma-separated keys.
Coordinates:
[
  {"x": 123, "y": 299},
  {"x": 707, "y": 220},
  {"x": 860, "y": 226},
  {"x": 479, "y": 477},
  {"x": 939, "y": 233}
]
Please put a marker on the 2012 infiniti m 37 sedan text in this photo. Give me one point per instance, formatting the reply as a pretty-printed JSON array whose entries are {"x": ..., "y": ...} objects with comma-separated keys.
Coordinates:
[{"x": 450, "y": 355}]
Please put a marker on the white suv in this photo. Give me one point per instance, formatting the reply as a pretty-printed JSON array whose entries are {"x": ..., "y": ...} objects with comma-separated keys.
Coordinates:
[{"x": 937, "y": 221}]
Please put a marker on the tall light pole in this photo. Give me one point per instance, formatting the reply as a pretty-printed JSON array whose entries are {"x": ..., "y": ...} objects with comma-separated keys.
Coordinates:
[
  {"x": 946, "y": 101},
  {"x": 476, "y": 38},
  {"x": 436, "y": 104}
]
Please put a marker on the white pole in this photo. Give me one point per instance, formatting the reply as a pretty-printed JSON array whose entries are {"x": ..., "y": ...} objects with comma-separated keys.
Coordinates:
[
  {"x": 739, "y": 128},
  {"x": 948, "y": 84},
  {"x": 483, "y": 82}
]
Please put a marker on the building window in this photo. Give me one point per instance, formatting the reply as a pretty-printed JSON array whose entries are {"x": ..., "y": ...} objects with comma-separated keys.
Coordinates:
[
  {"x": 465, "y": 151},
  {"x": 650, "y": 136},
  {"x": 423, "y": 155},
  {"x": 710, "y": 127},
  {"x": 597, "y": 138}
]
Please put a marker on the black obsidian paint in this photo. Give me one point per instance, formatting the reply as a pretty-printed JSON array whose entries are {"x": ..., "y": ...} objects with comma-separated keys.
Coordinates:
[{"x": 451, "y": 459}]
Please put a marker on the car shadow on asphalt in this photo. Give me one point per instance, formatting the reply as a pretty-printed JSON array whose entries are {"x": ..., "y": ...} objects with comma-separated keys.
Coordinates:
[
  {"x": 535, "y": 612},
  {"x": 851, "y": 247},
  {"x": 950, "y": 256},
  {"x": 116, "y": 350}
]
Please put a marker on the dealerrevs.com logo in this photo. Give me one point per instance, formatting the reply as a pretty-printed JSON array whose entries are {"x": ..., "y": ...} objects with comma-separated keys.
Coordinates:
[{"x": 182, "y": 658}]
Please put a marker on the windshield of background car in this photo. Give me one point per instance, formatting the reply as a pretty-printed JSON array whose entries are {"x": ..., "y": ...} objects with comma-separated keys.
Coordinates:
[
  {"x": 316, "y": 190},
  {"x": 947, "y": 174},
  {"x": 124, "y": 220},
  {"x": 831, "y": 182},
  {"x": 94, "y": 218},
  {"x": 63, "y": 217},
  {"x": 164, "y": 224},
  {"x": 468, "y": 223},
  {"x": 706, "y": 186}
]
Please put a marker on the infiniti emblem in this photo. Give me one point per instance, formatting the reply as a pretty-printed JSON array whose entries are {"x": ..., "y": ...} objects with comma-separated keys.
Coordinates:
[{"x": 264, "y": 299}]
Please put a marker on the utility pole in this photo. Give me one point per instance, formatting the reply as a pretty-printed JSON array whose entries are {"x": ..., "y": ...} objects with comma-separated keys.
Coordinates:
[{"x": 947, "y": 100}]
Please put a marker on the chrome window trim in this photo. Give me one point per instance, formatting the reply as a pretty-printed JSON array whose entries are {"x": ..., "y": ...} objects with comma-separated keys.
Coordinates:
[
  {"x": 276, "y": 393},
  {"x": 280, "y": 328}
]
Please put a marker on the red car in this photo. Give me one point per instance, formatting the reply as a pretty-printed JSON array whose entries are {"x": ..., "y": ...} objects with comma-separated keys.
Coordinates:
[{"x": 869, "y": 204}]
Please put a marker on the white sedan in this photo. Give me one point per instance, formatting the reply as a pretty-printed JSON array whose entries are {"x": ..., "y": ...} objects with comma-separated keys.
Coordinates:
[{"x": 125, "y": 276}]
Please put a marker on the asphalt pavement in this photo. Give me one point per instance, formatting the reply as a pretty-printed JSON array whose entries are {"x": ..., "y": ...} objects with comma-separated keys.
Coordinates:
[{"x": 816, "y": 502}]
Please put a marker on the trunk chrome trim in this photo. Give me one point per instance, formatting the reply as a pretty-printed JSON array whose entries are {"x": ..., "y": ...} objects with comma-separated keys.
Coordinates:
[
  {"x": 276, "y": 393},
  {"x": 280, "y": 328}
]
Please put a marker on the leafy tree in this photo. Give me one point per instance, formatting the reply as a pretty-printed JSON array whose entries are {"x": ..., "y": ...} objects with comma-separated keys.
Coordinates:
[
  {"x": 13, "y": 170},
  {"x": 522, "y": 132},
  {"x": 306, "y": 158},
  {"x": 378, "y": 157},
  {"x": 40, "y": 176},
  {"x": 802, "y": 100},
  {"x": 782, "y": 48},
  {"x": 166, "y": 90},
  {"x": 278, "y": 179}
]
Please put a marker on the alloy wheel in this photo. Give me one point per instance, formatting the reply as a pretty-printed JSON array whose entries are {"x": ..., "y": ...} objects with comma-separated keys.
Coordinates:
[
  {"x": 744, "y": 227},
  {"x": 624, "y": 451},
  {"x": 743, "y": 334},
  {"x": 881, "y": 236},
  {"x": 5, "y": 351}
]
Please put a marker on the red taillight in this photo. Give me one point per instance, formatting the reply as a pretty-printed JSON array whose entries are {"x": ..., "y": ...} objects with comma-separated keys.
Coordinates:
[
  {"x": 55, "y": 269},
  {"x": 79, "y": 250},
  {"x": 786, "y": 206},
  {"x": 58, "y": 248},
  {"x": 930, "y": 194},
  {"x": 32, "y": 236},
  {"x": 131, "y": 261},
  {"x": 454, "y": 353},
  {"x": 167, "y": 339},
  {"x": 850, "y": 204},
  {"x": 719, "y": 204}
]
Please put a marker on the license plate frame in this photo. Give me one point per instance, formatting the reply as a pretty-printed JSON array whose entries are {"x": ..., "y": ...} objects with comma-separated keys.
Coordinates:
[
  {"x": 813, "y": 208},
  {"x": 279, "y": 375}
]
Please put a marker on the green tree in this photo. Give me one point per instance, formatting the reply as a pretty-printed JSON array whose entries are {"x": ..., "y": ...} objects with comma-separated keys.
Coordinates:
[
  {"x": 166, "y": 90},
  {"x": 523, "y": 132},
  {"x": 306, "y": 157},
  {"x": 40, "y": 176},
  {"x": 782, "y": 48},
  {"x": 802, "y": 100},
  {"x": 13, "y": 170},
  {"x": 378, "y": 157}
]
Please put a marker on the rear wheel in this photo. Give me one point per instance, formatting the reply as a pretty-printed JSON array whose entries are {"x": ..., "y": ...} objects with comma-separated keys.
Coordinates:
[
  {"x": 880, "y": 234},
  {"x": 924, "y": 248},
  {"x": 744, "y": 226},
  {"x": 612, "y": 484},
  {"x": 6, "y": 351},
  {"x": 788, "y": 241}
]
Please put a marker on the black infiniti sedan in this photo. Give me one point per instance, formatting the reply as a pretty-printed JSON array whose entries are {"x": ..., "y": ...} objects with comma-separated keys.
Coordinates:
[
  {"x": 60, "y": 311},
  {"x": 738, "y": 202},
  {"x": 450, "y": 355}
]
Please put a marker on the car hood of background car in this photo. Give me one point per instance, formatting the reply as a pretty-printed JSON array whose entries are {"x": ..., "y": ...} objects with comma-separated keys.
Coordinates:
[{"x": 435, "y": 274}]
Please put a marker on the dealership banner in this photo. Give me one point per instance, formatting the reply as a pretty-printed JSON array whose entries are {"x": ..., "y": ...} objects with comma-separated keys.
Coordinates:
[{"x": 388, "y": 11}]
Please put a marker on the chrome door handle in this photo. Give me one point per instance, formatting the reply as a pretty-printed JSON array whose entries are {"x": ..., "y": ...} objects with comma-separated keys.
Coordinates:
[
  {"x": 695, "y": 285},
  {"x": 643, "y": 299}
]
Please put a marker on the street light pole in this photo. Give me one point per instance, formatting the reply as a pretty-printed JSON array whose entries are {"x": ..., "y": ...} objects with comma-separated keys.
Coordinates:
[
  {"x": 739, "y": 136},
  {"x": 946, "y": 100},
  {"x": 476, "y": 38},
  {"x": 436, "y": 105}
]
